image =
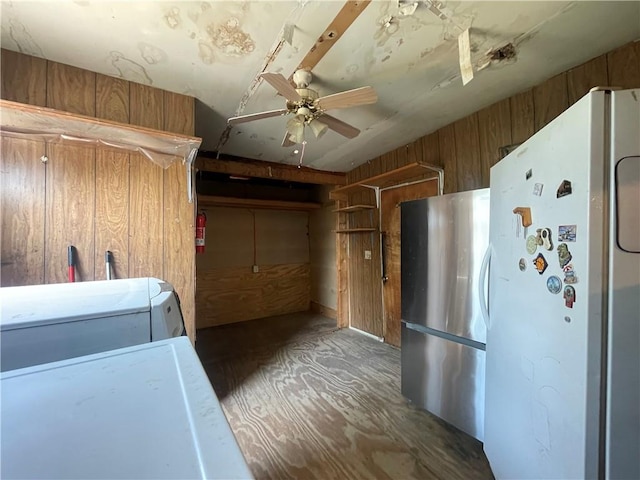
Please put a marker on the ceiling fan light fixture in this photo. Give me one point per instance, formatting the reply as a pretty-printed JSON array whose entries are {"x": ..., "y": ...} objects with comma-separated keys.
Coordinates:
[
  {"x": 318, "y": 128},
  {"x": 295, "y": 127}
]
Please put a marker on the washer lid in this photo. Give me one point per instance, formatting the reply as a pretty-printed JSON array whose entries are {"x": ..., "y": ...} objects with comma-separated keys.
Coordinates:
[
  {"x": 146, "y": 411},
  {"x": 32, "y": 305}
]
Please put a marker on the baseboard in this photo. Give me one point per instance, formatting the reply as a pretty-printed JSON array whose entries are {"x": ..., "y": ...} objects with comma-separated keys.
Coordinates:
[{"x": 322, "y": 310}]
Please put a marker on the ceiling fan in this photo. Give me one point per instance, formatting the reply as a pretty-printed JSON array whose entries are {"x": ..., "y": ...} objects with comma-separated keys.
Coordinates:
[{"x": 307, "y": 107}]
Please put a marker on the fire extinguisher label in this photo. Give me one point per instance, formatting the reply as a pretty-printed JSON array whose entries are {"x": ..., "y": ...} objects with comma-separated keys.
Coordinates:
[{"x": 200, "y": 232}]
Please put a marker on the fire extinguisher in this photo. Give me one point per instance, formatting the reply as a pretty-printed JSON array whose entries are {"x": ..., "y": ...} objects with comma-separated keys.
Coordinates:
[{"x": 201, "y": 223}]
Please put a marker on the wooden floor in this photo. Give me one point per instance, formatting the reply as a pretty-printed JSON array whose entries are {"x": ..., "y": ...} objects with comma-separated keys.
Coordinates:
[{"x": 308, "y": 401}]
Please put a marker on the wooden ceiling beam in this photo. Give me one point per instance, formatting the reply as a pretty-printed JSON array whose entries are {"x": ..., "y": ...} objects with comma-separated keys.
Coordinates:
[
  {"x": 346, "y": 16},
  {"x": 261, "y": 169}
]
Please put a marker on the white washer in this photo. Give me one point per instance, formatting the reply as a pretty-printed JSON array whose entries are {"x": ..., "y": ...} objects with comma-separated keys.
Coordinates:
[
  {"x": 146, "y": 411},
  {"x": 46, "y": 323}
]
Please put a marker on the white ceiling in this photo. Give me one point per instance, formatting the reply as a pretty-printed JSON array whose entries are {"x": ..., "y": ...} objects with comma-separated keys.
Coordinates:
[{"x": 214, "y": 51}]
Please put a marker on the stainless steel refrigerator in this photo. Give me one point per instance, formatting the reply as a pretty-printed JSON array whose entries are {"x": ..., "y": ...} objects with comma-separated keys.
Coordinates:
[
  {"x": 563, "y": 343},
  {"x": 443, "y": 243}
]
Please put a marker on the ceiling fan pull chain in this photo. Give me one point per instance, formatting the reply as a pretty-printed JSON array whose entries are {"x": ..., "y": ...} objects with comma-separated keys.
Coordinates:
[{"x": 304, "y": 144}]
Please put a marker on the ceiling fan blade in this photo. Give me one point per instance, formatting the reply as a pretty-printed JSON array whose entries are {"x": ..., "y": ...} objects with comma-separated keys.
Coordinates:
[
  {"x": 256, "y": 116},
  {"x": 286, "y": 142},
  {"x": 282, "y": 85},
  {"x": 339, "y": 126},
  {"x": 350, "y": 98}
]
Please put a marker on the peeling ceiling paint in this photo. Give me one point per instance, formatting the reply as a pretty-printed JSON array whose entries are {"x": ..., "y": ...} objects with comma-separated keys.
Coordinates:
[{"x": 215, "y": 52}]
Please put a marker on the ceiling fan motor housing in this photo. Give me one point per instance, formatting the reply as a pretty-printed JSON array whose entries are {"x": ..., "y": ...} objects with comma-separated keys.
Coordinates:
[
  {"x": 307, "y": 104},
  {"x": 302, "y": 78}
]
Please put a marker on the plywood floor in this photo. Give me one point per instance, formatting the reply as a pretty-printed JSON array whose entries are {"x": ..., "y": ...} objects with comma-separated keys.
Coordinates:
[{"x": 308, "y": 401}]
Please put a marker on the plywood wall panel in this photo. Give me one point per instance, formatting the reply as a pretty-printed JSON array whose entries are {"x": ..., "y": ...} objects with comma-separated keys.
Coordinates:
[
  {"x": 112, "y": 98},
  {"x": 431, "y": 149},
  {"x": 22, "y": 212},
  {"x": 112, "y": 212},
  {"x": 179, "y": 248},
  {"x": 281, "y": 237},
  {"x": 550, "y": 99},
  {"x": 147, "y": 106},
  {"x": 468, "y": 153},
  {"x": 447, "y": 148},
  {"x": 24, "y": 78},
  {"x": 586, "y": 76},
  {"x": 494, "y": 127},
  {"x": 229, "y": 239},
  {"x": 624, "y": 66},
  {"x": 414, "y": 151},
  {"x": 236, "y": 294},
  {"x": 70, "y": 215},
  {"x": 343, "y": 268},
  {"x": 365, "y": 290},
  {"x": 179, "y": 214},
  {"x": 522, "y": 116},
  {"x": 71, "y": 89},
  {"x": 146, "y": 218},
  {"x": 179, "y": 113}
]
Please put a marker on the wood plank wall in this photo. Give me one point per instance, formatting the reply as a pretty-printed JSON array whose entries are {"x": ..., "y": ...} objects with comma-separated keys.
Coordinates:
[
  {"x": 467, "y": 149},
  {"x": 94, "y": 198},
  {"x": 276, "y": 241}
]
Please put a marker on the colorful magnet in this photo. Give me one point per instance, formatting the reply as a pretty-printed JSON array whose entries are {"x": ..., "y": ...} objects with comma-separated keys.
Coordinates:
[
  {"x": 554, "y": 284},
  {"x": 569, "y": 296},
  {"x": 564, "y": 255},
  {"x": 522, "y": 264},
  {"x": 567, "y": 233},
  {"x": 540, "y": 263},
  {"x": 537, "y": 189},
  {"x": 532, "y": 245},
  {"x": 564, "y": 189},
  {"x": 547, "y": 243},
  {"x": 528, "y": 174},
  {"x": 569, "y": 274}
]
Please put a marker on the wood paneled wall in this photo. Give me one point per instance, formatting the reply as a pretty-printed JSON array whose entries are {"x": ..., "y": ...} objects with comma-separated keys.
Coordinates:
[
  {"x": 276, "y": 241},
  {"x": 467, "y": 149},
  {"x": 94, "y": 198}
]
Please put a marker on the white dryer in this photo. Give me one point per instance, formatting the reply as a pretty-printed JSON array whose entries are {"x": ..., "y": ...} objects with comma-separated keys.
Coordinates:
[
  {"x": 143, "y": 412},
  {"x": 46, "y": 323}
]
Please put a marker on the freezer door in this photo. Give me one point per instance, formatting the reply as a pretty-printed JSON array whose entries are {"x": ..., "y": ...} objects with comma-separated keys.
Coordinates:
[
  {"x": 544, "y": 347},
  {"x": 443, "y": 242},
  {"x": 623, "y": 378},
  {"x": 444, "y": 377}
]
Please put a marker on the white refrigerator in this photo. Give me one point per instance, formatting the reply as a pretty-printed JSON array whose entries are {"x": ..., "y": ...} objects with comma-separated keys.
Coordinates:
[{"x": 563, "y": 341}]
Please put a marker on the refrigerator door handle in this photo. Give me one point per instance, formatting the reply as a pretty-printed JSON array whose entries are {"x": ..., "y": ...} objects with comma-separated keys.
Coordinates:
[{"x": 484, "y": 270}]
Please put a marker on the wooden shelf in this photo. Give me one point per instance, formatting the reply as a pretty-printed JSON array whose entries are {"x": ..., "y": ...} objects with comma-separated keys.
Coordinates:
[
  {"x": 215, "y": 201},
  {"x": 355, "y": 208},
  {"x": 387, "y": 179},
  {"x": 47, "y": 123},
  {"x": 356, "y": 230}
]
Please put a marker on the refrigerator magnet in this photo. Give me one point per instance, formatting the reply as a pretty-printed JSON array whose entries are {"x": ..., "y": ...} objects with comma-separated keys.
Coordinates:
[
  {"x": 540, "y": 263},
  {"x": 554, "y": 284},
  {"x": 569, "y": 274},
  {"x": 537, "y": 189},
  {"x": 564, "y": 255},
  {"x": 564, "y": 189},
  {"x": 545, "y": 235},
  {"x": 529, "y": 174},
  {"x": 569, "y": 296},
  {"x": 532, "y": 244},
  {"x": 567, "y": 233},
  {"x": 522, "y": 264}
]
